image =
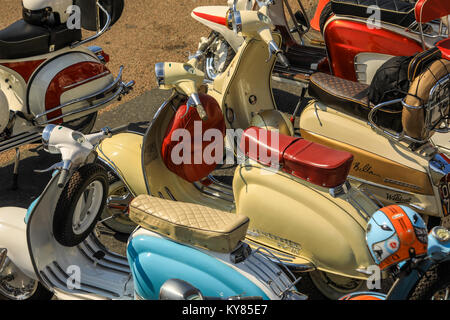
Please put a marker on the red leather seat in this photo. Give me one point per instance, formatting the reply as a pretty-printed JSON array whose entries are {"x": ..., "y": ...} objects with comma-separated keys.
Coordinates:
[
  {"x": 192, "y": 171},
  {"x": 266, "y": 147},
  {"x": 306, "y": 160},
  {"x": 444, "y": 46}
]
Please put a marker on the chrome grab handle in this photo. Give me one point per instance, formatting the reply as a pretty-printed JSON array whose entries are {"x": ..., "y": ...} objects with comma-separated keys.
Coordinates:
[
  {"x": 374, "y": 126},
  {"x": 98, "y": 34},
  {"x": 399, "y": 136},
  {"x": 123, "y": 88}
]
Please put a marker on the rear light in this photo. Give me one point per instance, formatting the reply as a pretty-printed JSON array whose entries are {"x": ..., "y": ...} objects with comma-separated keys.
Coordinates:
[
  {"x": 104, "y": 57},
  {"x": 100, "y": 53}
]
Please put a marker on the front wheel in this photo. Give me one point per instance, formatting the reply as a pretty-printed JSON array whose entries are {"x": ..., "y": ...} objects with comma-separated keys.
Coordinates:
[
  {"x": 434, "y": 285},
  {"x": 218, "y": 57},
  {"x": 80, "y": 205},
  {"x": 15, "y": 285}
]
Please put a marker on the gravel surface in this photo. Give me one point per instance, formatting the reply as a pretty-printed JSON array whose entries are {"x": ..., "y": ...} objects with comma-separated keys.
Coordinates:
[{"x": 148, "y": 32}]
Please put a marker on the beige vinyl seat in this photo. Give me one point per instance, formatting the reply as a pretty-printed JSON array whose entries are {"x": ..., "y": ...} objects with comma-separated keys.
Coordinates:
[{"x": 191, "y": 224}]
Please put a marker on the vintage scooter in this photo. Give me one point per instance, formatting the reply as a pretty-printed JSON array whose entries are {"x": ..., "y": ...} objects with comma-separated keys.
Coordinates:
[
  {"x": 422, "y": 262},
  {"x": 317, "y": 222},
  {"x": 47, "y": 75},
  {"x": 390, "y": 172},
  {"x": 51, "y": 249},
  {"x": 400, "y": 29},
  {"x": 400, "y": 146}
]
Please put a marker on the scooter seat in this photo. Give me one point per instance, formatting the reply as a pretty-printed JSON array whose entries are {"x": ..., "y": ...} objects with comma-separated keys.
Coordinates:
[
  {"x": 396, "y": 12},
  {"x": 21, "y": 40},
  {"x": 306, "y": 160},
  {"x": 351, "y": 98},
  {"x": 188, "y": 223}
]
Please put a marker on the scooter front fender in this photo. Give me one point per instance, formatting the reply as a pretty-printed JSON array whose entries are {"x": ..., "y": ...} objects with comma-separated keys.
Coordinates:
[
  {"x": 215, "y": 18},
  {"x": 122, "y": 154},
  {"x": 13, "y": 237}
]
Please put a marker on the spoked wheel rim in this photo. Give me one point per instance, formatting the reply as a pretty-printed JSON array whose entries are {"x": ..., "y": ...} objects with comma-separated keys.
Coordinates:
[
  {"x": 442, "y": 294},
  {"x": 15, "y": 285},
  {"x": 86, "y": 209},
  {"x": 215, "y": 61}
]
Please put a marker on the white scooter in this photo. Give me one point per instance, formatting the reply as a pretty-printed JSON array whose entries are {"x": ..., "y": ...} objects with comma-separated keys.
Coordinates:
[
  {"x": 51, "y": 249},
  {"x": 47, "y": 75}
]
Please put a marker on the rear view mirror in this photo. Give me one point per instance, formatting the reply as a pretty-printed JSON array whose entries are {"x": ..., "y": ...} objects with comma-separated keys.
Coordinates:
[{"x": 93, "y": 18}]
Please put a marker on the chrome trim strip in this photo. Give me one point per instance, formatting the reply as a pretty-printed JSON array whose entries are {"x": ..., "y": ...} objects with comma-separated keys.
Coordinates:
[
  {"x": 380, "y": 185},
  {"x": 87, "y": 80},
  {"x": 220, "y": 184}
]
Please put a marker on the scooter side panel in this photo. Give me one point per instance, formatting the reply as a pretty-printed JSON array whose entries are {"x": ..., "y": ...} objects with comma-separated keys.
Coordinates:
[
  {"x": 71, "y": 76},
  {"x": 154, "y": 260},
  {"x": 345, "y": 39},
  {"x": 13, "y": 238},
  {"x": 321, "y": 120},
  {"x": 122, "y": 153},
  {"x": 377, "y": 159},
  {"x": 300, "y": 219}
]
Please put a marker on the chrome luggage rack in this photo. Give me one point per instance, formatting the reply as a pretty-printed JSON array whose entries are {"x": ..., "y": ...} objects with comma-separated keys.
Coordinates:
[
  {"x": 117, "y": 88},
  {"x": 435, "y": 118}
]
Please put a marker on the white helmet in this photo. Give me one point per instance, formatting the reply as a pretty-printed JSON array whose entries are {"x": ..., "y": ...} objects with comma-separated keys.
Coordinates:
[
  {"x": 58, "y": 8},
  {"x": 4, "y": 112}
]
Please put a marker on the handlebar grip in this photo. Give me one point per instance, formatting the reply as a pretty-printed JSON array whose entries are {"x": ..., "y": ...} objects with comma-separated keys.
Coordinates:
[
  {"x": 62, "y": 178},
  {"x": 202, "y": 112}
]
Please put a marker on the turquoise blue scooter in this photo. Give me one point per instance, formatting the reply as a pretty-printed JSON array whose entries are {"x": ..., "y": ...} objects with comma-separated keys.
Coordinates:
[{"x": 51, "y": 249}]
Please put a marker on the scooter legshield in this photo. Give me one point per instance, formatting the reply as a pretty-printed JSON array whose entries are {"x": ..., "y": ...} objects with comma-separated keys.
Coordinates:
[{"x": 13, "y": 238}]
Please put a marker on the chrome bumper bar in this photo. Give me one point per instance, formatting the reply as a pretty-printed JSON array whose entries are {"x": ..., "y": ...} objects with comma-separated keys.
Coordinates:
[{"x": 118, "y": 87}]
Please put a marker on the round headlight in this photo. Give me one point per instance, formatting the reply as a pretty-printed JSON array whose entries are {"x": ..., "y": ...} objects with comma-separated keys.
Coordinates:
[{"x": 441, "y": 234}]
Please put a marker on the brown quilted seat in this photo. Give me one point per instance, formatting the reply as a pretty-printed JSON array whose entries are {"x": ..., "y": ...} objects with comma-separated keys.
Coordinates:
[
  {"x": 188, "y": 223},
  {"x": 351, "y": 98}
]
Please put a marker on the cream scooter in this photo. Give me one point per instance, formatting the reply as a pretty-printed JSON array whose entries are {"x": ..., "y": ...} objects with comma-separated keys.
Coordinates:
[
  {"x": 396, "y": 158},
  {"x": 317, "y": 224},
  {"x": 392, "y": 175}
]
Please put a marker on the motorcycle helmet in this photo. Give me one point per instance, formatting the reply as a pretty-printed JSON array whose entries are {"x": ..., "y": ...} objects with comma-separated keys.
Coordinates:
[
  {"x": 395, "y": 234},
  {"x": 46, "y": 12}
]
